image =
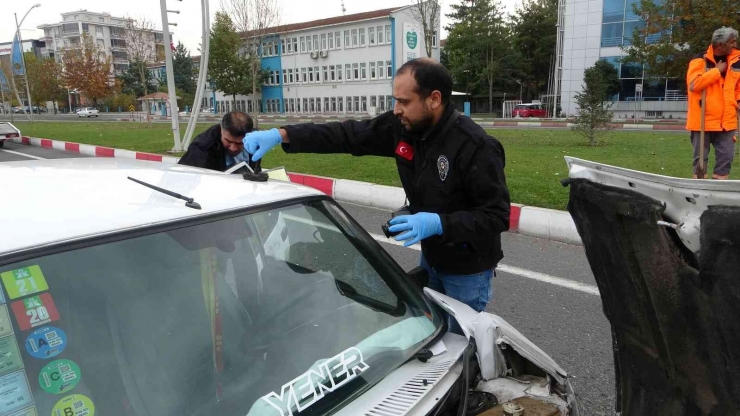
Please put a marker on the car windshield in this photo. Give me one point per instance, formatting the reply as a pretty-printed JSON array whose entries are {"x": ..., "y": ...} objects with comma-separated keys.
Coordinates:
[
  {"x": 521, "y": 107},
  {"x": 286, "y": 310}
]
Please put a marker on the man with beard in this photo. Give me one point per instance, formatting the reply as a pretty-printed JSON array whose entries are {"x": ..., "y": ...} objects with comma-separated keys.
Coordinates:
[
  {"x": 451, "y": 170},
  {"x": 221, "y": 146}
]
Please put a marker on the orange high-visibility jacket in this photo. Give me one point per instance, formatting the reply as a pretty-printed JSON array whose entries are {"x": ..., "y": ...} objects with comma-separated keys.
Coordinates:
[{"x": 723, "y": 93}]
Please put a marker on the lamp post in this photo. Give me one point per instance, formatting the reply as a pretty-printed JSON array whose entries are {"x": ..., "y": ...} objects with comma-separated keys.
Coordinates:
[{"x": 23, "y": 58}]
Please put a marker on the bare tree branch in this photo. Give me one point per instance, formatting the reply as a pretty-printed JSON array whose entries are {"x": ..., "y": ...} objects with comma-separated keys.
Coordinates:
[
  {"x": 426, "y": 12},
  {"x": 141, "y": 46}
]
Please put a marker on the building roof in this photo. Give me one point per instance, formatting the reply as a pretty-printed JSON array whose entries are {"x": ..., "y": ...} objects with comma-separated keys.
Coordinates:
[
  {"x": 356, "y": 17},
  {"x": 155, "y": 96}
]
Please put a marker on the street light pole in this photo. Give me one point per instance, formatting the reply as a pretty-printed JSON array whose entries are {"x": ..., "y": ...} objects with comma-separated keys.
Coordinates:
[
  {"x": 23, "y": 58},
  {"x": 170, "y": 76}
]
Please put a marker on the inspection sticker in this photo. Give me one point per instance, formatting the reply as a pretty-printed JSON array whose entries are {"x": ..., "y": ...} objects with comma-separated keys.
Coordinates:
[
  {"x": 74, "y": 405},
  {"x": 59, "y": 376},
  {"x": 15, "y": 394},
  {"x": 24, "y": 281},
  {"x": 35, "y": 311},
  {"x": 10, "y": 355},
  {"x": 46, "y": 342},
  {"x": 6, "y": 328}
]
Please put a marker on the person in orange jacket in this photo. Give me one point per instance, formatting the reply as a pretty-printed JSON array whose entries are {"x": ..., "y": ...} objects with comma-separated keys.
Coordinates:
[{"x": 718, "y": 73}]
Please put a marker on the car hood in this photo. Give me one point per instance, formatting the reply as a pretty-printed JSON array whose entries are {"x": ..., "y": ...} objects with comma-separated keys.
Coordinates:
[{"x": 665, "y": 253}]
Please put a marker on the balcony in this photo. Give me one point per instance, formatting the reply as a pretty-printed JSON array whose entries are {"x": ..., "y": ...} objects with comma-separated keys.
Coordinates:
[{"x": 67, "y": 33}]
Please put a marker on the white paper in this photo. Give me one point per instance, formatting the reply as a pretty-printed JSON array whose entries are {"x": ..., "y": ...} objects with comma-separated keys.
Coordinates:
[{"x": 438, "y": 348}]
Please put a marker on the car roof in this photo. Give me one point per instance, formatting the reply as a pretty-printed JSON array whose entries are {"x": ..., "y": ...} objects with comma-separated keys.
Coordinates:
[{"x": 51, "y": 201}]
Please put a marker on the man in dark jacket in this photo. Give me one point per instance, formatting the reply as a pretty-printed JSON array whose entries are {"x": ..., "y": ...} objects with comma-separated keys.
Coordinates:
[
  {"x": 221, "y": 146},
  {"x": 451, "y": 170}
]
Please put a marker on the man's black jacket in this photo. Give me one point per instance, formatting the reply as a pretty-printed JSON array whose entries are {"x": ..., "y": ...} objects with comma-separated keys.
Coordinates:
[
  {"x": 455, "y": 170},
  {"x": 207, "y": 151}
]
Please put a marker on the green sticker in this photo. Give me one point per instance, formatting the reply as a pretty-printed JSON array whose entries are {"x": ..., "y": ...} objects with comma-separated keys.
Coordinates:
[
  {"x": 59, "y": 376},
  {"x": 411, "y": 39},
  {"x": 6, "y": 328},
  {"x": 74, "y": 405},
  {"x": 10, "y": 355},
  {"x": 25, "y": 281}
]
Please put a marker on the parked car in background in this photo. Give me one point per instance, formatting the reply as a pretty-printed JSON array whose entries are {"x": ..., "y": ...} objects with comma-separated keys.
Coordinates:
[
  {"x": 529, "y": 110},
  {"x": 87, "y": 112},
  {"x": 8, "y": 132}
]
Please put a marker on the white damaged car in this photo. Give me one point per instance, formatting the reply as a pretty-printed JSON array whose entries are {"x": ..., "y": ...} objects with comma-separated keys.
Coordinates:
[{"x": 216, "y": 295}]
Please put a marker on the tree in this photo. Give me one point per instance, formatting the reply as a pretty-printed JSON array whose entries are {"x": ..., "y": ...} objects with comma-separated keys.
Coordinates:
[
  {"x": 593, "y": 114},
  {"x": 255, "y": 20},
  {"x": 182, "y": 66},
  {"x": 140, "y": 48},
  {"x": 45, "y": 79},
  {"x": 426, "y": 12},
  {"x": 535, "y": 39},
  {"x": 228, "y": 69},
  {"x": 479, "y": 46},
  {"x": 675, "y": 31},
  {"x": 131, "y": 81},
  {"x": 610, "y": 75},
  {"x": 87, "y": 70}
]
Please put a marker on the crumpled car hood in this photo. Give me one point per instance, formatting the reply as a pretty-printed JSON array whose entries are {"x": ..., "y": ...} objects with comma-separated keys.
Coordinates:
[{"x": 672, "y": 295}]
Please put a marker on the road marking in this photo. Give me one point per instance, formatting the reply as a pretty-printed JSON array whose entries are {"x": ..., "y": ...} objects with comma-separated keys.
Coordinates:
[
  {"x": 529, "y": 274},
  {"x": 22, "y": 154}
]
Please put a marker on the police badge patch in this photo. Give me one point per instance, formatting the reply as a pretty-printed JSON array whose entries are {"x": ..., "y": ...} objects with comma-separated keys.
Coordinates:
[{"x": 443, "y": 166}]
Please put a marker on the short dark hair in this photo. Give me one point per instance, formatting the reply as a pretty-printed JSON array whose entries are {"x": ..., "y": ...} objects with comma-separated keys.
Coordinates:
[
  {"x": 430, "y": 76},
  {"x": 237, "y": 123}
]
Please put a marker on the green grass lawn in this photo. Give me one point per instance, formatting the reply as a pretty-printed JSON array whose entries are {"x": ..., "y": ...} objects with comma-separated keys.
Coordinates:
[{"x": 534, "y": 158}]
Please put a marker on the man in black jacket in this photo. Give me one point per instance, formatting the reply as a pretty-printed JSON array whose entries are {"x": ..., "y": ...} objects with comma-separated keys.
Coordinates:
[
  {"x": 221, "y": 146},
  {"x": 451, "y": 170}
]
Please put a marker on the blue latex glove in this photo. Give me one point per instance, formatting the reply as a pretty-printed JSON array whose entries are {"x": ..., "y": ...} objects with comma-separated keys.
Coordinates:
[
  {"x": 258, "y": 143},
  {"x": 418, "y": 227}
]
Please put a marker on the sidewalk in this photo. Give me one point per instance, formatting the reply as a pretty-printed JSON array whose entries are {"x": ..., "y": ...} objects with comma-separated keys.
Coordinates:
[{"x": 531, "y": 221}]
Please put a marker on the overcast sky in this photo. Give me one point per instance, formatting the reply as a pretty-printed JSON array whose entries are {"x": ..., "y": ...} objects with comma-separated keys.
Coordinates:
[{"x": 188, "y": 28}]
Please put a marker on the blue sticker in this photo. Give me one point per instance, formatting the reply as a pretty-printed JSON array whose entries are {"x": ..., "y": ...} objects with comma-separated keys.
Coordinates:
[{"x": 46, "y": 342}]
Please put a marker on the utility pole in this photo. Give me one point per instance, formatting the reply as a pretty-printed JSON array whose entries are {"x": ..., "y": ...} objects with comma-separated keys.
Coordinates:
[
  {"x": 25, "y": 68},
  {"x": 171, "y": 74}
]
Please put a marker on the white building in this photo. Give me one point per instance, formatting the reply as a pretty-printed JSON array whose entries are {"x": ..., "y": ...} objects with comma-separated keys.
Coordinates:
[
  {"x": 108, "y": 32},
  {"x": 597, "y": 29},
  {"x": 340, "y": 65}
]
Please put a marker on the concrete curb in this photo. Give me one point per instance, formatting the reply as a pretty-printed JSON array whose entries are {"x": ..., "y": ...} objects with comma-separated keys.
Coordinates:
[{"x": 531, "y": 221}]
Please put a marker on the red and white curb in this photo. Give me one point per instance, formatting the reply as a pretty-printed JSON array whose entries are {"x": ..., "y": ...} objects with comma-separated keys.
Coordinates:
[{"x": 531, "y": 221}]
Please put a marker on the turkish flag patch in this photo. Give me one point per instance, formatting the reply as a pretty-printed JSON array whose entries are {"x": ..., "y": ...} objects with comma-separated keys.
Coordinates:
[{"x": 405, "y": 150}]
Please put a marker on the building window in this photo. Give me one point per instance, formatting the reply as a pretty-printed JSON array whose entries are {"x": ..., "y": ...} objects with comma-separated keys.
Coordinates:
[
  {"x": 388, "y": 69},
  {"x": 99, "y": 30},
  {"x": 340, "y": 104},
  {"x": 364, "y": 104},
  {"x": 304, "y": 78},
  {"x": 310, "y": 105},
  {"x": 373, "y": 74},
  {"x": 318, "y": 74},
  {"x": 295, "y": 45},
  {"x": 354, "y": 38},
  {"x": 348, "y": 70},
  {"x": 389, "y": 102},
  {"x": 326, "y": 104},
  {"x": 381, "y": 104},
  {"x": 371, "y": 35},
  {"x": 333, "y": 104},
  {"x": 323, "y": 42},
  {"x": 362, "y": 36},
  {"x": 325, "y": 70},
  {"x": 346, "y": 39},
  {"x": 282, "y": 46},
  {"x": 310, "y": 74},
  {"x": 434, "y": 39},
  {"x": 381, "y": 70},
  {"x": 363, "y": 71},
  {"x": 380, "y": 35},
  {"x": 303, "y": 44},
  {"x": 373, "y": 101},
  {"x": 305, "y": 105},
  {"x": 285, "y": 76},
  {"x": 331, "y": 40},
  {"x": 349, "y": 104},
  {"x": 388, "y": 33},
  {"x": 316, "y": 42},
  {"x": 333, "y": 73},
  {"x": 339, "y": 72},
  {"x": 309, "y": 45},
  {"x": 290, "y": 46},
  {"x": 356, "y": 72},
  {"x": 290, "y": 76},
  {"x": 357, "y": 104},
  {"x": 100, "y": 19},
  {"x": 337, "y": 40}
]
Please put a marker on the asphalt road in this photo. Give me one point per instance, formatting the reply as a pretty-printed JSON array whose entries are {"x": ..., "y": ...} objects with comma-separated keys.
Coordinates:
[{"x": 545, "y": 289}]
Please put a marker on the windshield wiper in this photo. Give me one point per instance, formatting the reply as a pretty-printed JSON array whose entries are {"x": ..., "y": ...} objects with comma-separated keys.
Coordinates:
[{"x": 189, "y": 202}]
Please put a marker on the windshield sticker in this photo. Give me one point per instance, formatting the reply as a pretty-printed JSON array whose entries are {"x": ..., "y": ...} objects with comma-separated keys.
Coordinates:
[
  {"x": 10, "y": 355},
  {"x": 35, "y": 311},
  {"x": 46, "y": 342},
  {"x": 24, "y": 281},
  {"x": 74, "y": 405},
  {"x": 314, "y": 384},
  {"x": 15, "y": 394},
  {"x": 31, "y": 411},
  {"x": 6, "y": 328},
  {"x": 59, "y": 376}
]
